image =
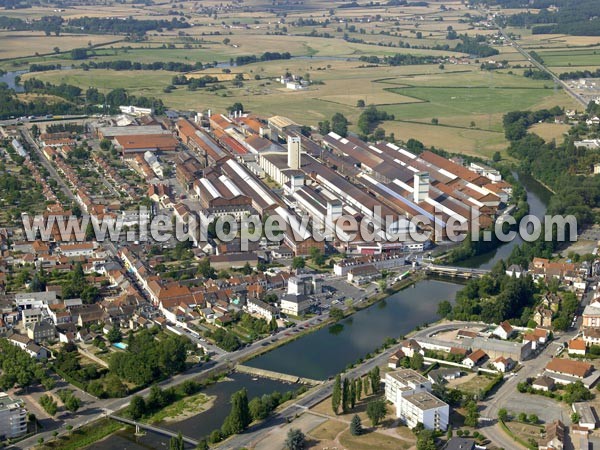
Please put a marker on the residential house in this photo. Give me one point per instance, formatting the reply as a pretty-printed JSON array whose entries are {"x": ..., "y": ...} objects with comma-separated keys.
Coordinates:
[
  {"x": 543, "y": 317},
  {"x": 504, "y": 330},
  {"x": 40, "y": 331},
  {"x": 475, "y": 359},
  {"x": 410, "y": 347},
  {"x": 577, "y": 346},
  {"x": 543, "y": 383},
  {"x": 263, "y": 309},
  {"x": 591, "y": 336},
  {"x": 554, "y": 438},
  {"x": 591, "y": 315},
  {"x": 502, "y": 364},
  {"x": 443, "y": 375},
  {"x": 587, "y": 416},
  {"x": 395, "y": 359},
  {"x": 13, "y": 417}
]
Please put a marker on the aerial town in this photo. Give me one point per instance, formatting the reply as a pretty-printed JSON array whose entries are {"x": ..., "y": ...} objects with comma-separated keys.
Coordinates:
[{"x": 299, "y": 225}]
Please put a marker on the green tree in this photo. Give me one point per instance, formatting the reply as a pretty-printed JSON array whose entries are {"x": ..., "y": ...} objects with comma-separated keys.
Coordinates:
[
  {"x": 317, "y": 256},
  {"x": 352, "y": 394},
  {"x": 416, "y": 362},
  {"x": 295, "y": 440},
  {"x": 359, "y": 388},
  {"x": 575, "y": 417},
  {"x": 376, "y": 411},
  {"x": 345, "y": 395},
  {"x": 472, "y": 417},
  {"x": 336, "y": 396},
  {"x": 426, "y": 440},
  {"x": 176, "y": 442},
  {"x": 239, "y": 417},
  {"x": 336, "y": 314},
  {"x": 522, "y": 417},
  {"x": 360, "y": 104},
  {"x": 533, "y": 419},
  {"x": 375, "y": 379},
  {"x": 72, "y": 403},
  {"x": 339, "y": 124},
  {"x": 114, "y": 334},
  {"x": 202, "y": 445},
  {"x": 237, "y": 106},
  {"x": 324, "y": 127},
  {"x": 355, "y": 426},
  {"x": 247, "y": 269},
  {"x": 502, "y": 414},
  {"x": 444, "y": 308},
  {"x": 298, "y": 263},
  {"x": 496, "y": 157},
  {"x": 137, "y": 407}
]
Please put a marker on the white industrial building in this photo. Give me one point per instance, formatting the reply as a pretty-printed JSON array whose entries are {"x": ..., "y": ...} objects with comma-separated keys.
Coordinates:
[{"x": 410, "y": 392}]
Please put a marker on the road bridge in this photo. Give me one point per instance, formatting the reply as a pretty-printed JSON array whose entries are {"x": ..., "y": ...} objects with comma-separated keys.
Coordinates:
[{"x": 458, "y": 272}]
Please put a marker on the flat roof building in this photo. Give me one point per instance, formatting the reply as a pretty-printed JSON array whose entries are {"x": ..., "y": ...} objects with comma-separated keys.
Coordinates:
[
  {"x": 410, "y": 392},
  {"x": 13, "y": 417}
]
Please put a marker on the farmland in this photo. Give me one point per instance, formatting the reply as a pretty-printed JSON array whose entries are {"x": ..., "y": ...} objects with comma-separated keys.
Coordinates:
[{"x": 326, "y": 44}]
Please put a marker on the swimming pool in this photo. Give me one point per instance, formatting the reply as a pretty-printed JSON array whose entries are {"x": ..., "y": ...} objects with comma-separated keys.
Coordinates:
[{"x": 120, "y": 345}]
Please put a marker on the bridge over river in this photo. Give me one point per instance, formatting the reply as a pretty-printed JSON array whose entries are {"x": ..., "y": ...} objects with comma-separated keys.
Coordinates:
[
  {"x": 154, "y": 429},
  {"x": 458, "y": 272}
]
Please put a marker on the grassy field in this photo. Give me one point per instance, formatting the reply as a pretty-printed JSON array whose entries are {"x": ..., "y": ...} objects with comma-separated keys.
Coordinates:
[
  {"x": 328, "y": 430},
  {"x": 368, "y": 441},
  {"x": 549, "y": 131},
  {"x": 468, "y": 102},
  {"x": 456, "y": 96},
  {"x": 573, "y": 57},
  {"x": 15, "y": 44}
]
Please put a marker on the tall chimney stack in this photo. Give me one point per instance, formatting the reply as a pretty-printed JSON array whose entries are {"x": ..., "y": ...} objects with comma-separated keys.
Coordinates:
[
  {"x": 421, "y": 187},
  {"x": 293, "y": 143}
]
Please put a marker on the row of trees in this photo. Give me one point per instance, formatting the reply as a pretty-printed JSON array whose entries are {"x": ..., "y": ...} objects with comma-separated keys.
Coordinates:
[{"x": 346, "y": 393}]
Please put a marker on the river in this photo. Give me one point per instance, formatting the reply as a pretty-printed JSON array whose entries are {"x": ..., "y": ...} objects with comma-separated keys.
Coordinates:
[
  {"x": 201, "y": 424},
  {"x": 537, "y": 198}
]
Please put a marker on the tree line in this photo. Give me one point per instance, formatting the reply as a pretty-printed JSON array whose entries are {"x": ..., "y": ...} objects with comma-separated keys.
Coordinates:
[{"x": 266, "y": 56}]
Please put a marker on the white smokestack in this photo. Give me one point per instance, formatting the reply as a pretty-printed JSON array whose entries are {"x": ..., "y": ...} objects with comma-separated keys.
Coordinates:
[
  {"x": 293, "y": 143},
  {"x": 421, "y": 187}
]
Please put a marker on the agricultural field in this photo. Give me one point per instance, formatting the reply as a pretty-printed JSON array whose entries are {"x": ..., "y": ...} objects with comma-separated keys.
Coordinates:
[{"x": 326, "y": 44}]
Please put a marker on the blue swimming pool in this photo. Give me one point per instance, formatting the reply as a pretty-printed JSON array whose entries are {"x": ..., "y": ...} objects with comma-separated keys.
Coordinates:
[{"x": 121, "y": 345}]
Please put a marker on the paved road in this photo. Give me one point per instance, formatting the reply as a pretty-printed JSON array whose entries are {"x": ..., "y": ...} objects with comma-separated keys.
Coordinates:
[{"x": 507, "y": 396}]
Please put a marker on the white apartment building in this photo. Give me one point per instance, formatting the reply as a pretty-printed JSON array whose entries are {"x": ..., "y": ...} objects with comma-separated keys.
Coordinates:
[
  {"x": 410, "y": 392},
  {"x": 13, "y": 417}
]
